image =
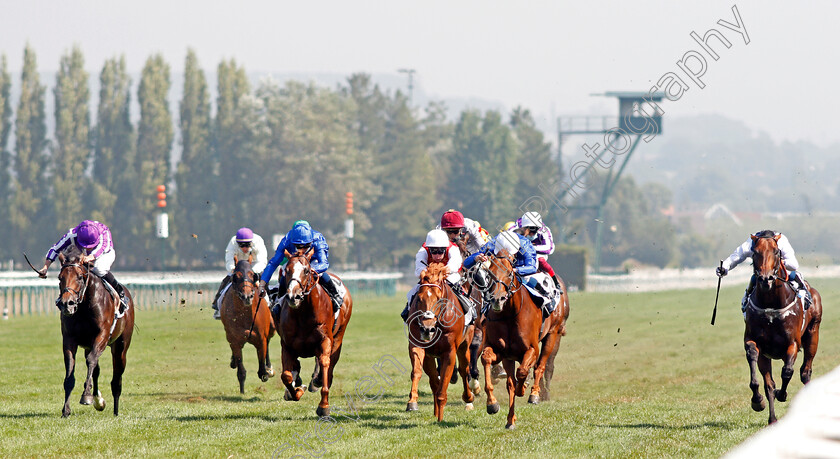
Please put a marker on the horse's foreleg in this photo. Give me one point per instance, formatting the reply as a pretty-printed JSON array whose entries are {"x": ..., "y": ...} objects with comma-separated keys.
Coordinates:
[
  {"x": 87, "y": 397},
  {"x": 118, "y": 356},
  {"x": 262, "y": 349},
  {"x": 69, "y": 374},
  {"x": 236, "y": 362},
  {"x": 550, "y": 342},
  {"x": 269, "y": 369},
  {"x": 416, "y": 354},
  {"x": 810, "y": 341},
  {"x": 765, "y": 366},
  {"x": 291, "y": 369},
  {"x": 512, "y": 387},
  {"x": 545, "y": 382},
  {"x": 528, "y": 361},
  {"x": 447, "y": 362},
  {"x": 324, "y": 360},
  {"x": 488, "y": 359},
  {"x": 757, "y": 401},
  {"x": 787, "y": 371},
  {"x": 475, "y": 345},
  {"x": 92, "y": 359},
  {"x": 463, "y": 369}
]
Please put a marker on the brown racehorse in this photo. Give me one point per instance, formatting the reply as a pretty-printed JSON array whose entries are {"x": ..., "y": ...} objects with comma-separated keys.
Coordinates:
[
  {"x": 437, "y": 329},
  {"x": 777, "y": 326},
  {"x": 305, "y": 322},
  {"x": 88, "y": 319},
  {"x": 512, "y": 334},
  {"x": 247, "y": 319}
]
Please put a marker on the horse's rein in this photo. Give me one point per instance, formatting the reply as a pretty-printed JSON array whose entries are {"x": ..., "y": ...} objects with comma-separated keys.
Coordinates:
[{"x": 80, "y": 294}]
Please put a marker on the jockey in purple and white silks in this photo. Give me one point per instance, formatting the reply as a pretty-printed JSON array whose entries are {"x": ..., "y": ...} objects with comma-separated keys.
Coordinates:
[
  {"x": 745, "y": 250},
  {"x": 90, "y": 241},
  {"x": 303, "y": 237},
  {"x": 244, "y": 244}
]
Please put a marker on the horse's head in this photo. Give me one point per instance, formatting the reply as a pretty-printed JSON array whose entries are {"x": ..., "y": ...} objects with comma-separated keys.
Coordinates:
[
  {"x": 298, "y": 276},
  {"x": 502, "y": 279},
  {"x": 767, "y": 260},
  {"x": 72, "y": 281},
  {"x": 245, "y": 281},
  {"x": 430, "y": 300}
]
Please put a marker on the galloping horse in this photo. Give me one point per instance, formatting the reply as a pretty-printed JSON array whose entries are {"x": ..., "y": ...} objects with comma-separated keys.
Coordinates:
[
  {"x": 247, "y": 319},
  {"x": 777, "y": 326},
  {"x": 512, "y": 334},
  {"x": 437, "y": 329},
  {"x": 88, "y": 319},
  {"x": 308, "y": 329}
]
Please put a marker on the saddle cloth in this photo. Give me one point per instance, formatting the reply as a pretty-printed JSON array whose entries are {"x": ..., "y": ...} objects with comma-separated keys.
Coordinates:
[{"x": 543, "y": 291}]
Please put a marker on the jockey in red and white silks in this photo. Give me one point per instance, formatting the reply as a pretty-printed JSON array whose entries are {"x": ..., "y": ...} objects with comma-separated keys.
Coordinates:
[{"x": 438, "y": 249}]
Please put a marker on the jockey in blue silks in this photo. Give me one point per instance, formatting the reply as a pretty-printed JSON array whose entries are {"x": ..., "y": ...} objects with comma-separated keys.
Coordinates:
[{"x": 303, "y": 237}]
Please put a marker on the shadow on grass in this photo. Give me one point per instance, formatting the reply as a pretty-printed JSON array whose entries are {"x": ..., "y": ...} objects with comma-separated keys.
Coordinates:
[
  {"x": 224, "y": 417},
  {"x": 645, "y": 425},
  {"x": 28, "y": 415}
]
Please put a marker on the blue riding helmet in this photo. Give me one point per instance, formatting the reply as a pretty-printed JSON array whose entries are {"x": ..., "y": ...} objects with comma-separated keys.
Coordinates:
[{"x": 301, "y": 235}]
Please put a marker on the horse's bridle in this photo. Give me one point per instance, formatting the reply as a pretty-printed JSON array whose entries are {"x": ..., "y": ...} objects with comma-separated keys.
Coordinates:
[
  {"x": 309, "y": 276},
  {"x": 80, "y": 294},
  {"x": 508, "y": 287},
  {"x": 777, "y": 269}
]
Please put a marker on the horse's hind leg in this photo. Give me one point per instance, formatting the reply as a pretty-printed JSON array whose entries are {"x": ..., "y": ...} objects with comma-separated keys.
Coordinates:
[
  {"x": 512, "y": 387},
  {"x": 269, "y": 369},
  {"x": 291, "y": 370},
  {"x": 765, "y": 366},
  {"x": 316, "y": 382},
  {"x": 550, "y": 342},
  {"x": 118, "y": 355},
  {"x": 463, "y": 369},
  {"x": 787, "y": 372},
  {"x": 545, "y": 382},
  {"x": 810, "y": 341},
  {"x": 87, "y": 395},
  {"x": 92, "y": 359},
  {"x": 69, "y": 377},
  {"x": 757, "y": 401},
  {"x": 474, "y": 348}
]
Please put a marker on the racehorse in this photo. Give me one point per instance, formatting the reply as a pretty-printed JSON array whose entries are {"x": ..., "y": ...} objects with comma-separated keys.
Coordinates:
[
  {"x": 512, "y": 333},
  {"x": 88, "y": 319},
  {"x": 437, "y": 329},
  {"x": 777, "y": 325},
  {"x": 247, "y": 319},
  {"x": 308, "y": 328}
]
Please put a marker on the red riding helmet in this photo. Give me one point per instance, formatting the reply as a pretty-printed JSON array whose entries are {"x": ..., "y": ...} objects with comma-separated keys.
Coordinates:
[{"x": 452, "y": 219}]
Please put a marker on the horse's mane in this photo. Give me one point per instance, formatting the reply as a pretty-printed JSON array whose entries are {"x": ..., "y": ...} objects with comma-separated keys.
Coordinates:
[{"x": 435, "y": 273}]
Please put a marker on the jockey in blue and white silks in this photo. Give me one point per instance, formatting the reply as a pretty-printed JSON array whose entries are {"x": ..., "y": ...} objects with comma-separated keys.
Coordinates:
[
  {"x": 745, "y": 250},
  {"x": 525, "y": 257},
  {"x": 90, "y": 241},
  {"x": 303, "y": 237}
]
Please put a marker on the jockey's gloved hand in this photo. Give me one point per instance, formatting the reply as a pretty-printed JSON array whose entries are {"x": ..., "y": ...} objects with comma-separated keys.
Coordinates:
[{"x": 721, "y": 271}]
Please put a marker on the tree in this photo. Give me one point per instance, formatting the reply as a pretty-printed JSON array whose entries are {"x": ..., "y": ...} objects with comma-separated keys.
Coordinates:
[
  {"x": 5, "y": 155},
  {"x": 195, "y": 174},
  {"x": 31, "y": 160},
  {"x": 536, "y": 170},
  {"x": 114, "y": 173},
  {"x": 72, "y": 144},
  {"x": 154, "y": 147}
]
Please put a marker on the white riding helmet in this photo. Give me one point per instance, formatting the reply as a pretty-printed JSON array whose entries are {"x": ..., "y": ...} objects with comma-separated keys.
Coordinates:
[
  {"x": 437, "y": 238},
  {"x": 531, "y": 219},
  {"x": 507, "y": 240}
]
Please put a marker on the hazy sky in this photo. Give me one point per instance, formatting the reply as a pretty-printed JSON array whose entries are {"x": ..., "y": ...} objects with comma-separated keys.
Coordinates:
[{"x": 546, "y": 55}]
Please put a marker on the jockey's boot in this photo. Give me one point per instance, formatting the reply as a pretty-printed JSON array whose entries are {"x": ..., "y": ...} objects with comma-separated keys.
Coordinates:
[
  {"x": 466, "y": 303},
  {"x": 747, "y": 292},
  {"x": 215, "y": 305},
  {"x": 557, "y": 284},
  {"x": 403, "y": 314},
  {"x": 109, "y": 278},
  {"x": 326, "y": 281},
  {"x": 802, "y": 290}
]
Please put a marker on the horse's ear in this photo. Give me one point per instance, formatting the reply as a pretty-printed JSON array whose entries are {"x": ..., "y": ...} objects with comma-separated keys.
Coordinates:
[
  {"x": 753, "y": 237},
  {"x": 309, "y": 254},
  {"x": 287, "y": 254},
  {"x": 777, "y": 237},
  {"x": 250, "y": 257},
  {"x": 235, "y": 259},
  {"x": 256, "y": 278},
  {"x": 61, "y": 258}
]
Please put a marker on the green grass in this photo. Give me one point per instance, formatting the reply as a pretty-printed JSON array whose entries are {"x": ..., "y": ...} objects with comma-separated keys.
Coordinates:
[{"x": 639, "y": 375}]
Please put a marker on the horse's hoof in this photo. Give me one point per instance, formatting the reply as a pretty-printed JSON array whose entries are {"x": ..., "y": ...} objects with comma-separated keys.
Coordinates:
[
  {"x": 264, "y": 377},
  {"x": 86, "y": 400},
  {"x": 269, "y": 371},
  {"x": 322, "y": 412},
  {"x": 232, "y": 363},
  {"x": 534, "y": 399},
  {"x": 99, "y": 402},
  {"x": 759, "y": 405},
  {"x": 474, "y": 386},
  {"x": 493, "y": 409},
  {"x": 412, "y": 406},
  {"x": 287, "y": 396},
  {"x": 781, "y": 396},
  {"x": 312, "y": 387},
  {"x": 469, "y": 407},
  {"x": 65, "y": 413},
  {"x": 510, "y": 426}
]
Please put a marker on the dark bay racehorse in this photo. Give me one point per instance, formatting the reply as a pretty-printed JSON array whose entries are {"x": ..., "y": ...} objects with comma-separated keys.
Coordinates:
[
  {"x": 437, "y": 329},
  {"x": 247, "y": 319},
  {"x": 308, "y": 329},
  {"x": 88, "y": 319},
  {"x": 512, "y": 334},
  {"x": 777, "y": 326}
]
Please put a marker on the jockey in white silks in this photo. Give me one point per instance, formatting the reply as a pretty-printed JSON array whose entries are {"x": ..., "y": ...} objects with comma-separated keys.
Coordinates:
[{"x": 244, "y": 244}]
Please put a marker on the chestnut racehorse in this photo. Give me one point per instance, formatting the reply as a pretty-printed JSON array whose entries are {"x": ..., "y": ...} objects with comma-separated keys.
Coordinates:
[
  {"x": 512, "y": 334},
  {"x": 437, "y": 329},
  {"x": 306, "y": 324},
  {"x": 777, "y": 326},
  {"x": 88, "y": 319},
  {"x": 247, "y": 319}
]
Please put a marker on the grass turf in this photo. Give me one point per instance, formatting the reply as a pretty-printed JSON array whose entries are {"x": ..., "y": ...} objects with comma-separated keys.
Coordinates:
[{"x": 639, "y": 375}]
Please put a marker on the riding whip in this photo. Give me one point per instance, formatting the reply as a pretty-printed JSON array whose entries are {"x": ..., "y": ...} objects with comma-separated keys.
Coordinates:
[
  {"x": 714, "y": 313},
  {"x": 30, "y": 265}
]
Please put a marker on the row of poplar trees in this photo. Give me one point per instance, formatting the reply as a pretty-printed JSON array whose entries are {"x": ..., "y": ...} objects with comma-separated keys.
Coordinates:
[{"x": 260, "y": 156}]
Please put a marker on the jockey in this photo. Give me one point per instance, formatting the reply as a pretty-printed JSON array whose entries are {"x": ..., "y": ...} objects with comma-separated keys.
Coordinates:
[
  {"x": 531, "y": 226},
  {"x": 467, "y": 231},
  {"x": 302, "y": 236},
  {"x": 244, "y": 244},
  {"x": 90, "y": 241},
  {"x": 745, "y": 250},
  {"x": 439, "y": 249}
]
